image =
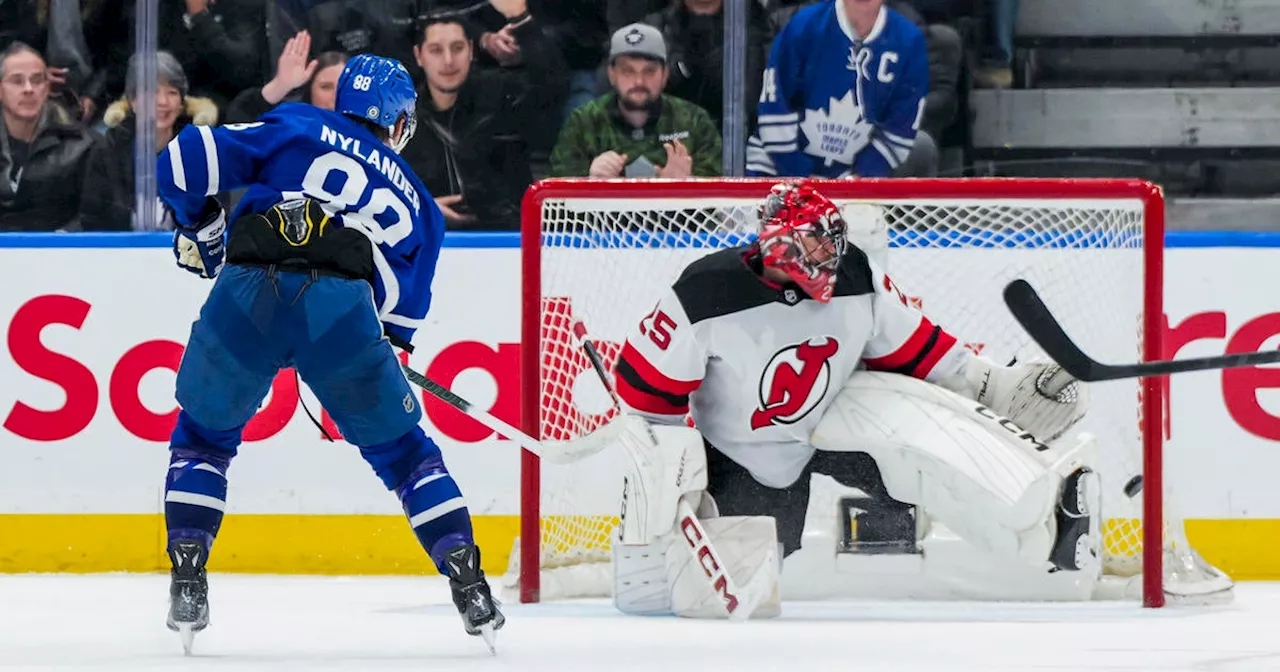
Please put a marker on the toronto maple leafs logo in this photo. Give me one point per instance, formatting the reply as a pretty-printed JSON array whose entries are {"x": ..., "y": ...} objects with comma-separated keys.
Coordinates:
[{"x": 838, "y": 133}]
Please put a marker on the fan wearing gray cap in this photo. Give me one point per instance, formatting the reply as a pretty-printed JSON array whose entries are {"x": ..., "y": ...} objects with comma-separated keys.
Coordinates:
[{"x": 636, "y": 130}]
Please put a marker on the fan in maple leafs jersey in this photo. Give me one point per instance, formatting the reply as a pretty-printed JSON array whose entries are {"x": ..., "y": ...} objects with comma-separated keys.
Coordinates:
[
  {"x": 797, "y": 355},
  {"x": 834, "y": 105}
]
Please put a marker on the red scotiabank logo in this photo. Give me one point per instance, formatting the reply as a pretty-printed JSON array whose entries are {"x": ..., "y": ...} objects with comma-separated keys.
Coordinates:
[
  {"x": 1239, "y": 386},
  {"x": 83, "y": 388}
]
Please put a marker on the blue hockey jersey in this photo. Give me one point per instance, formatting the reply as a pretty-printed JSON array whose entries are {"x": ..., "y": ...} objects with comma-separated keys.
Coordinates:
[
  {"x": 835, "y": 106},
  {"x": 298, "y": 150}
]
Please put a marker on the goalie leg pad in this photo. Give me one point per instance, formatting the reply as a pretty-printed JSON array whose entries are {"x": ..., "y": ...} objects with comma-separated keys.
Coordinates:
[
  {"x": 748, "y": 545},
  {"x": 640, "y": 585},
  {"x": 979, "y": 474}
]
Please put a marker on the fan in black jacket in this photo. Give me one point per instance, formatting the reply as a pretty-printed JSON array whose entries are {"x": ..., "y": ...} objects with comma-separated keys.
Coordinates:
[{"x": 475, "y": 126}]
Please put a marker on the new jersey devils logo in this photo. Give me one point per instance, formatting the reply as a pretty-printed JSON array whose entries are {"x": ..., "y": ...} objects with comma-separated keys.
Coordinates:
[{"x": 794, "y": 381}]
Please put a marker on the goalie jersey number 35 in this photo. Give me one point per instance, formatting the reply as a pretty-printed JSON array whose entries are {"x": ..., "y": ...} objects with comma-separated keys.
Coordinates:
[{"x": 757, "y": 364}]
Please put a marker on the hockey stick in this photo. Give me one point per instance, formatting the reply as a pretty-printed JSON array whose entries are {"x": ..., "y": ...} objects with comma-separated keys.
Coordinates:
[
  {"x": 1029, "y": 309},
  {"x": 559, "y": 452},
  {"x": 479, "y": 415},
  {"x": 738, "y": 603}
]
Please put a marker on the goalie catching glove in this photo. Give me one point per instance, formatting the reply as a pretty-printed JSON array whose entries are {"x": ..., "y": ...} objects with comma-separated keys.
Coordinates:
[{"x": 1039, "y": 397}]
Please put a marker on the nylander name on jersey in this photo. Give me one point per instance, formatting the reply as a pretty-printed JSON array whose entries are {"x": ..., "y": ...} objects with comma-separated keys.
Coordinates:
[
  {"x": 299, "y": 150},
  {"x": 833, "y": 105},
  {"x": 380, "y": 157}
]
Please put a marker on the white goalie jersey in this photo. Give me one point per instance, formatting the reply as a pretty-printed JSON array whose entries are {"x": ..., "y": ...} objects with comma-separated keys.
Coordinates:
[{"x": 757, "y": 365}]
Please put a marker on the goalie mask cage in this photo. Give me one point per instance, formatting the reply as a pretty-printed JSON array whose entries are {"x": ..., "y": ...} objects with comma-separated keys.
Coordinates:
[{"x": 603, "y": 251}]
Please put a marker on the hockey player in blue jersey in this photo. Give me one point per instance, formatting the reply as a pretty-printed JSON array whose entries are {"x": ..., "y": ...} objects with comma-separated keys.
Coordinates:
[
  {"x": 330, "y": 211},
  {"x": 843, "y": 93}
]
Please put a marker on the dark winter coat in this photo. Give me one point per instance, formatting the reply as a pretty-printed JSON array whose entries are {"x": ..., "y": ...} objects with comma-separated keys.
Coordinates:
[
  {"x": 45, "y": 197},
  {"x": 479, "y": 148},
  {"x": 695, "y": 56}
]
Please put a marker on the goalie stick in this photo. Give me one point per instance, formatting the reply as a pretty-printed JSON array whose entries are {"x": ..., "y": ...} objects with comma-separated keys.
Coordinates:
[{"x": 1034, "y": 316}]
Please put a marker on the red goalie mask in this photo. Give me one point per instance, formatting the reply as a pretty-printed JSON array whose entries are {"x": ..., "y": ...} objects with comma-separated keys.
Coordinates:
[{"x": 802, "y": 234}]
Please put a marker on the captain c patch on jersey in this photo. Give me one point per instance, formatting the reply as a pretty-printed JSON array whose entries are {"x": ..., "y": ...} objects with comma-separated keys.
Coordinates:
[{"x": 794, "y": 381}]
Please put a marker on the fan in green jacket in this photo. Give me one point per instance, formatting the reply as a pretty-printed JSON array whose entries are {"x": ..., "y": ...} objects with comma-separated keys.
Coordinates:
[{"x": 636, "y": 131}]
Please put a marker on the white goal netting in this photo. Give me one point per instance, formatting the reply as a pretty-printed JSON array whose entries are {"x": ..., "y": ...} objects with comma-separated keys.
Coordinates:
[{"x": 609, "y": 249}]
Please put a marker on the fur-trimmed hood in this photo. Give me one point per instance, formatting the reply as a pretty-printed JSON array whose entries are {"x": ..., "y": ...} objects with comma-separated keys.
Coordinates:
[{"x": 201, "y": 111}]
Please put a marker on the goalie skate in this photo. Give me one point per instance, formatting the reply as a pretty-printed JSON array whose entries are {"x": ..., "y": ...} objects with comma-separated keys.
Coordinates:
[
  {"x": 471, "y": 595},
  {"x": 188, "y": 592}
]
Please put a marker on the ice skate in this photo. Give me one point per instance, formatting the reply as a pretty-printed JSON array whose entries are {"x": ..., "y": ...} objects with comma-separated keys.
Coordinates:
[
  {"x": 1079, "y": 536},
  {"x": 479, "y": 611},
  {"x": 188, "y": 592}
]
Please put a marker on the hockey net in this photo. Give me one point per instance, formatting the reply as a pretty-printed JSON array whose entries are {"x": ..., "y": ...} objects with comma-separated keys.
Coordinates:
[{"x": 603, "y": 252}]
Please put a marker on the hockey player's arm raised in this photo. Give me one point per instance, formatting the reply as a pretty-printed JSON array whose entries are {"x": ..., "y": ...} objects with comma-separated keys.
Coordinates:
[
  {"x": 904, "y": 340},
  {"x": 1038, "y": 396},
  {"x": 661, "y": 363}
]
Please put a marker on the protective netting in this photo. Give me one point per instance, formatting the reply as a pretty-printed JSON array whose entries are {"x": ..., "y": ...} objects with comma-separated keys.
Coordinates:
[{"x": 606, "y": 260}]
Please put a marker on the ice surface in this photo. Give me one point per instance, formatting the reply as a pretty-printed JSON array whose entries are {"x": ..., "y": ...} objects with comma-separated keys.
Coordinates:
[{"x": 116, "y": 622}]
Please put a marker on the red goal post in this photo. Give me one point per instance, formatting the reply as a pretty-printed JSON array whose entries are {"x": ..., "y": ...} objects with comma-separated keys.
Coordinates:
[{"x": 569, "y": 224}]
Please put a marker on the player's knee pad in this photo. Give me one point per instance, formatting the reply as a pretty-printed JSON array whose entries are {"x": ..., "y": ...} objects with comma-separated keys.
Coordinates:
[
  {"x": 399, "y": 461},
  {"x": 191, "y": 440},
  {"x": 979, "y": 474}
]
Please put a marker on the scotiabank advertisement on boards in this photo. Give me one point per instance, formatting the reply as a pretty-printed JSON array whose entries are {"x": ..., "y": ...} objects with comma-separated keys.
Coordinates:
[{"x": 93, "y": 337}]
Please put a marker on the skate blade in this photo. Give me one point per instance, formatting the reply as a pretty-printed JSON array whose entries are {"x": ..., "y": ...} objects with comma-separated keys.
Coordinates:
[
  {"x": 188, "y": 636},
  {"x": 490, "y": 637}
]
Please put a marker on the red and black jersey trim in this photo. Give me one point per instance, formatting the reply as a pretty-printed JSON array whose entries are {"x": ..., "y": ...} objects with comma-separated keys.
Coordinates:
[
  {"x": 648, "y": 390},
  {"x": 919, "y": 354}
]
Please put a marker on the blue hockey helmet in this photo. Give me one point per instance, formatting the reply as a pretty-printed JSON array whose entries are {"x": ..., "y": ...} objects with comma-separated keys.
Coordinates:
[{"x": 379, "y": 90}]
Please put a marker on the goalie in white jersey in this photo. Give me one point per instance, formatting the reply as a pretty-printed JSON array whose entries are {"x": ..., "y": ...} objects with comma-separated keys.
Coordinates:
[{"x": 797, "y": 355}]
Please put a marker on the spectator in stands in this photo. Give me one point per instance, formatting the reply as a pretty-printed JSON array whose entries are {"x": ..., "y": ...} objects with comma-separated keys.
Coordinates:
[
  {"x": 297, "y": 77},
  {"x": 475, "y": 125},
  {"x": 382, "y": 27},
  {"x": 221, "y": 45},
  {"x": 944, "y": 44},
  {"x": 844, "y": 95},
  {"x": 694, "y": 34},
  {"x": 42, "y": 148},
  {"x": 636, "y": 130},
  {"x": 107, "y": 200}
]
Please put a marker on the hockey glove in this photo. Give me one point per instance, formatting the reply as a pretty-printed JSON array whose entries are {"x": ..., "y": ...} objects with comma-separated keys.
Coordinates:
[{"x": 199, "y": 248}]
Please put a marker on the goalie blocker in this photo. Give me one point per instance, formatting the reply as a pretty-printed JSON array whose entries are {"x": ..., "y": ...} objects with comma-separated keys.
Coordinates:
[{"x": 919, "y": 452}]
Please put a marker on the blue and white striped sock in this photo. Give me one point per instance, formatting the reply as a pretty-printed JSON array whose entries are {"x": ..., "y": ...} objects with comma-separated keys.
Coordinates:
[
  {"x": 438, "y": 513},
  {"x": 195, "y": 496}
]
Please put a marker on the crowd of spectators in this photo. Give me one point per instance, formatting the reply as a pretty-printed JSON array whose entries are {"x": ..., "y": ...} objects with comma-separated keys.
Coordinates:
[{"x": 510, "y": 91}]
